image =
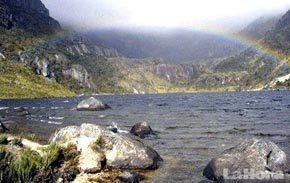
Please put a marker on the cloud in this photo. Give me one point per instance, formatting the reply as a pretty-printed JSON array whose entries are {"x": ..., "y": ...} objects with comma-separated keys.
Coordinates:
[{"x": 167, "y": 13}]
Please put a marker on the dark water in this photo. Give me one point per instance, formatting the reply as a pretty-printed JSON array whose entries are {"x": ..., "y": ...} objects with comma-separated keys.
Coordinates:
[{"x": 192, "y": 128}]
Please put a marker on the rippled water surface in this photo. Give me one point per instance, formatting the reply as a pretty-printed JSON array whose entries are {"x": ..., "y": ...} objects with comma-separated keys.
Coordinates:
[{"x": 192, "y": 128}]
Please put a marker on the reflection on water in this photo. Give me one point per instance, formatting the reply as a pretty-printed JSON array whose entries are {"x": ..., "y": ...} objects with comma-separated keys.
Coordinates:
[{"x": 192, "y": 128}]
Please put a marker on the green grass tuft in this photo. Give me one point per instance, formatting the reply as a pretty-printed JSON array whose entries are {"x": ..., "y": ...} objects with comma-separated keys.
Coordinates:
[{"x": 3, "y": 140}]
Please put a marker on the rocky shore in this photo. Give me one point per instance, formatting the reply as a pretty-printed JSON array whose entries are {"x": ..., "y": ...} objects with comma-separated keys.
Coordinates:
[{"x": 86, "y": 153}]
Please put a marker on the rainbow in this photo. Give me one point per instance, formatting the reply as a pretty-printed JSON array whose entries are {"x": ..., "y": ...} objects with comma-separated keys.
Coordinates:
[
  {"x": 262, "y": 47},
  {"x": 259, "y": 45}
]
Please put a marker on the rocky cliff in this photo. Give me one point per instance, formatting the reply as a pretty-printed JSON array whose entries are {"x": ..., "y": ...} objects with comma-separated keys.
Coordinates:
[
  {"x": 60, "y": 58},
  {"x": 30, "y": 15}
]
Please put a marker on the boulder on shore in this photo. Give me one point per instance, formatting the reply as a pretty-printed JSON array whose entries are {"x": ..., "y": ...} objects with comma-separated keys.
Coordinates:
[
  {"x": 92, "y": 104},
  {"x": 121, "y": 151},
  {"x": 142, "y": 130},
  {"x": 255, "y": 155}
]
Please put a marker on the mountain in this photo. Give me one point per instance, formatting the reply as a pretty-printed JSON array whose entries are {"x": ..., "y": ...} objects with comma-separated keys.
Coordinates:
[
  {"x": 30, "y": 15},
  {"x": 20, "y": 22},
  {"x": 258, "y": 29},
  {"x": 35, "y": 50},
  {"x": 31, "y": 37},
  {"x": 173, "y": 46},
  {"x": 279, "y": 37}
]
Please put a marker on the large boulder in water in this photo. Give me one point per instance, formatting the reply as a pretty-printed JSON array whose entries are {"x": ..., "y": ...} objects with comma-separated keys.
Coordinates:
[
  {"x": 255, "y": 155},
  {"x": 92, "y": 104},
  {"x": 119, "y": 150},
  {"x": 142, "y": 130}
]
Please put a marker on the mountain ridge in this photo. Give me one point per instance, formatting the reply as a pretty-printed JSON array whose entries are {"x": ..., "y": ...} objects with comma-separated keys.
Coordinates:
[{"x": 82, "y": 65}]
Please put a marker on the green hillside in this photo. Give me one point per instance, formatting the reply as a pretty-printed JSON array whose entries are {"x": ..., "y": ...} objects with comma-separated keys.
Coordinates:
[{"x": 19, "y": 81}]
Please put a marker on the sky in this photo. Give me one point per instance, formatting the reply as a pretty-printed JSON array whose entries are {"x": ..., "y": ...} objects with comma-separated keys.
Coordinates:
[{"x": 214, "y": 15}]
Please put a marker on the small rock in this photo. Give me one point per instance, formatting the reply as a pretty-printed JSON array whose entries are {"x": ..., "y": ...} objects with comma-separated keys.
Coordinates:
[
  {"x": 254, "y": 154},
  {"x": 142, "y": 130},
  {"x": 129, "y": 177},
  {"x": 3, "y": 128},
  {"x": 21, "y": 111},
  {"x": 113, "y": 129},
  {"x": 92, "y": 104},
  {"x": 2, "y": 56}
]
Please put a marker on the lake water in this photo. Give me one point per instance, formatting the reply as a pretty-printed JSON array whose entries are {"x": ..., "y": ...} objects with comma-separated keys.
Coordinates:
[{"x": 192, "y": 128}]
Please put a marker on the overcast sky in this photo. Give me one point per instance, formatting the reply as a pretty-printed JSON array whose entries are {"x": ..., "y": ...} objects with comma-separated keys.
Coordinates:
[{"x": 199, "y": 14}]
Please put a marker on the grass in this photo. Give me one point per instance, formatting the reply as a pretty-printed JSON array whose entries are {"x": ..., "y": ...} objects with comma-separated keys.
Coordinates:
[
  {"x": 51, "y": 156},
  {"x": 3, "y": 140},
  {"x": 27, "y": 166},
  {"x": 19, "y": 81},
  {"x": 31, "y": 137},
  {"x": 2, "y": 152}
]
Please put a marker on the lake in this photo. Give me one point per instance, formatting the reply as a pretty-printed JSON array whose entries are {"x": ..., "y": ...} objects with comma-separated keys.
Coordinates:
[{"x": 191, "y": 128}]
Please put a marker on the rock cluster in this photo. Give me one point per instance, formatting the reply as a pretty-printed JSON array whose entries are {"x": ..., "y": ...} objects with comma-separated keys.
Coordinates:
[
  {"x": 101, "y": 148},
  {"x": 79, "y": 154}
]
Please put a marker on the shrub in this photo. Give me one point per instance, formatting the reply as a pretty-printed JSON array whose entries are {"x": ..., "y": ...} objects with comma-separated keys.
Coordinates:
[
  {"x": 17, "y": 142},
  {"x": 3, "y": 140},
  {"x": 70, "y": 152},
  {"x": 98, "y": 144}
]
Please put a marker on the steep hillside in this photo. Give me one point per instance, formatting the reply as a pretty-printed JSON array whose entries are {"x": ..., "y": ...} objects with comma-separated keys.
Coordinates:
[
  {"x": 279, "y": 37},
  {"x": 31, "y": 37},
  {"x": 18, "y": 81}
]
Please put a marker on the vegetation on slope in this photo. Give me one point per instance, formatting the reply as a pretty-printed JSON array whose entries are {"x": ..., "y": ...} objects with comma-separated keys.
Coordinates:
[{"x": 19, "y": 81}]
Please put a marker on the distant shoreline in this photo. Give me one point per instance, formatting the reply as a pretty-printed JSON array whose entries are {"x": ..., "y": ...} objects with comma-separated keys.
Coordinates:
[{"x": 133, "y": 94}]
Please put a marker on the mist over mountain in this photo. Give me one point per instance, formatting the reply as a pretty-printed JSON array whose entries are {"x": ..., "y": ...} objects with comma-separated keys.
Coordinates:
[
  {"x": 173, "y": 45},
  {"x": 279, "y": 37},
  {"x": 260, "y": 27}
]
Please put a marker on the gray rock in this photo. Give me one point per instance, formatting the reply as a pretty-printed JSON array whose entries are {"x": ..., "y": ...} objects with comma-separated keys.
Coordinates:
[
  {"x": 80, "y": 74},
  {"x": 142, "y": 130},
  {"x": 119, "y": 150},
  {"x": 21, "y": 111},
  {"x": 129, "y": 177},
  {"x": 2, "y": 57},
  {"x": 92, "y": 104},
  {"x": 254, "y": 154}
]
